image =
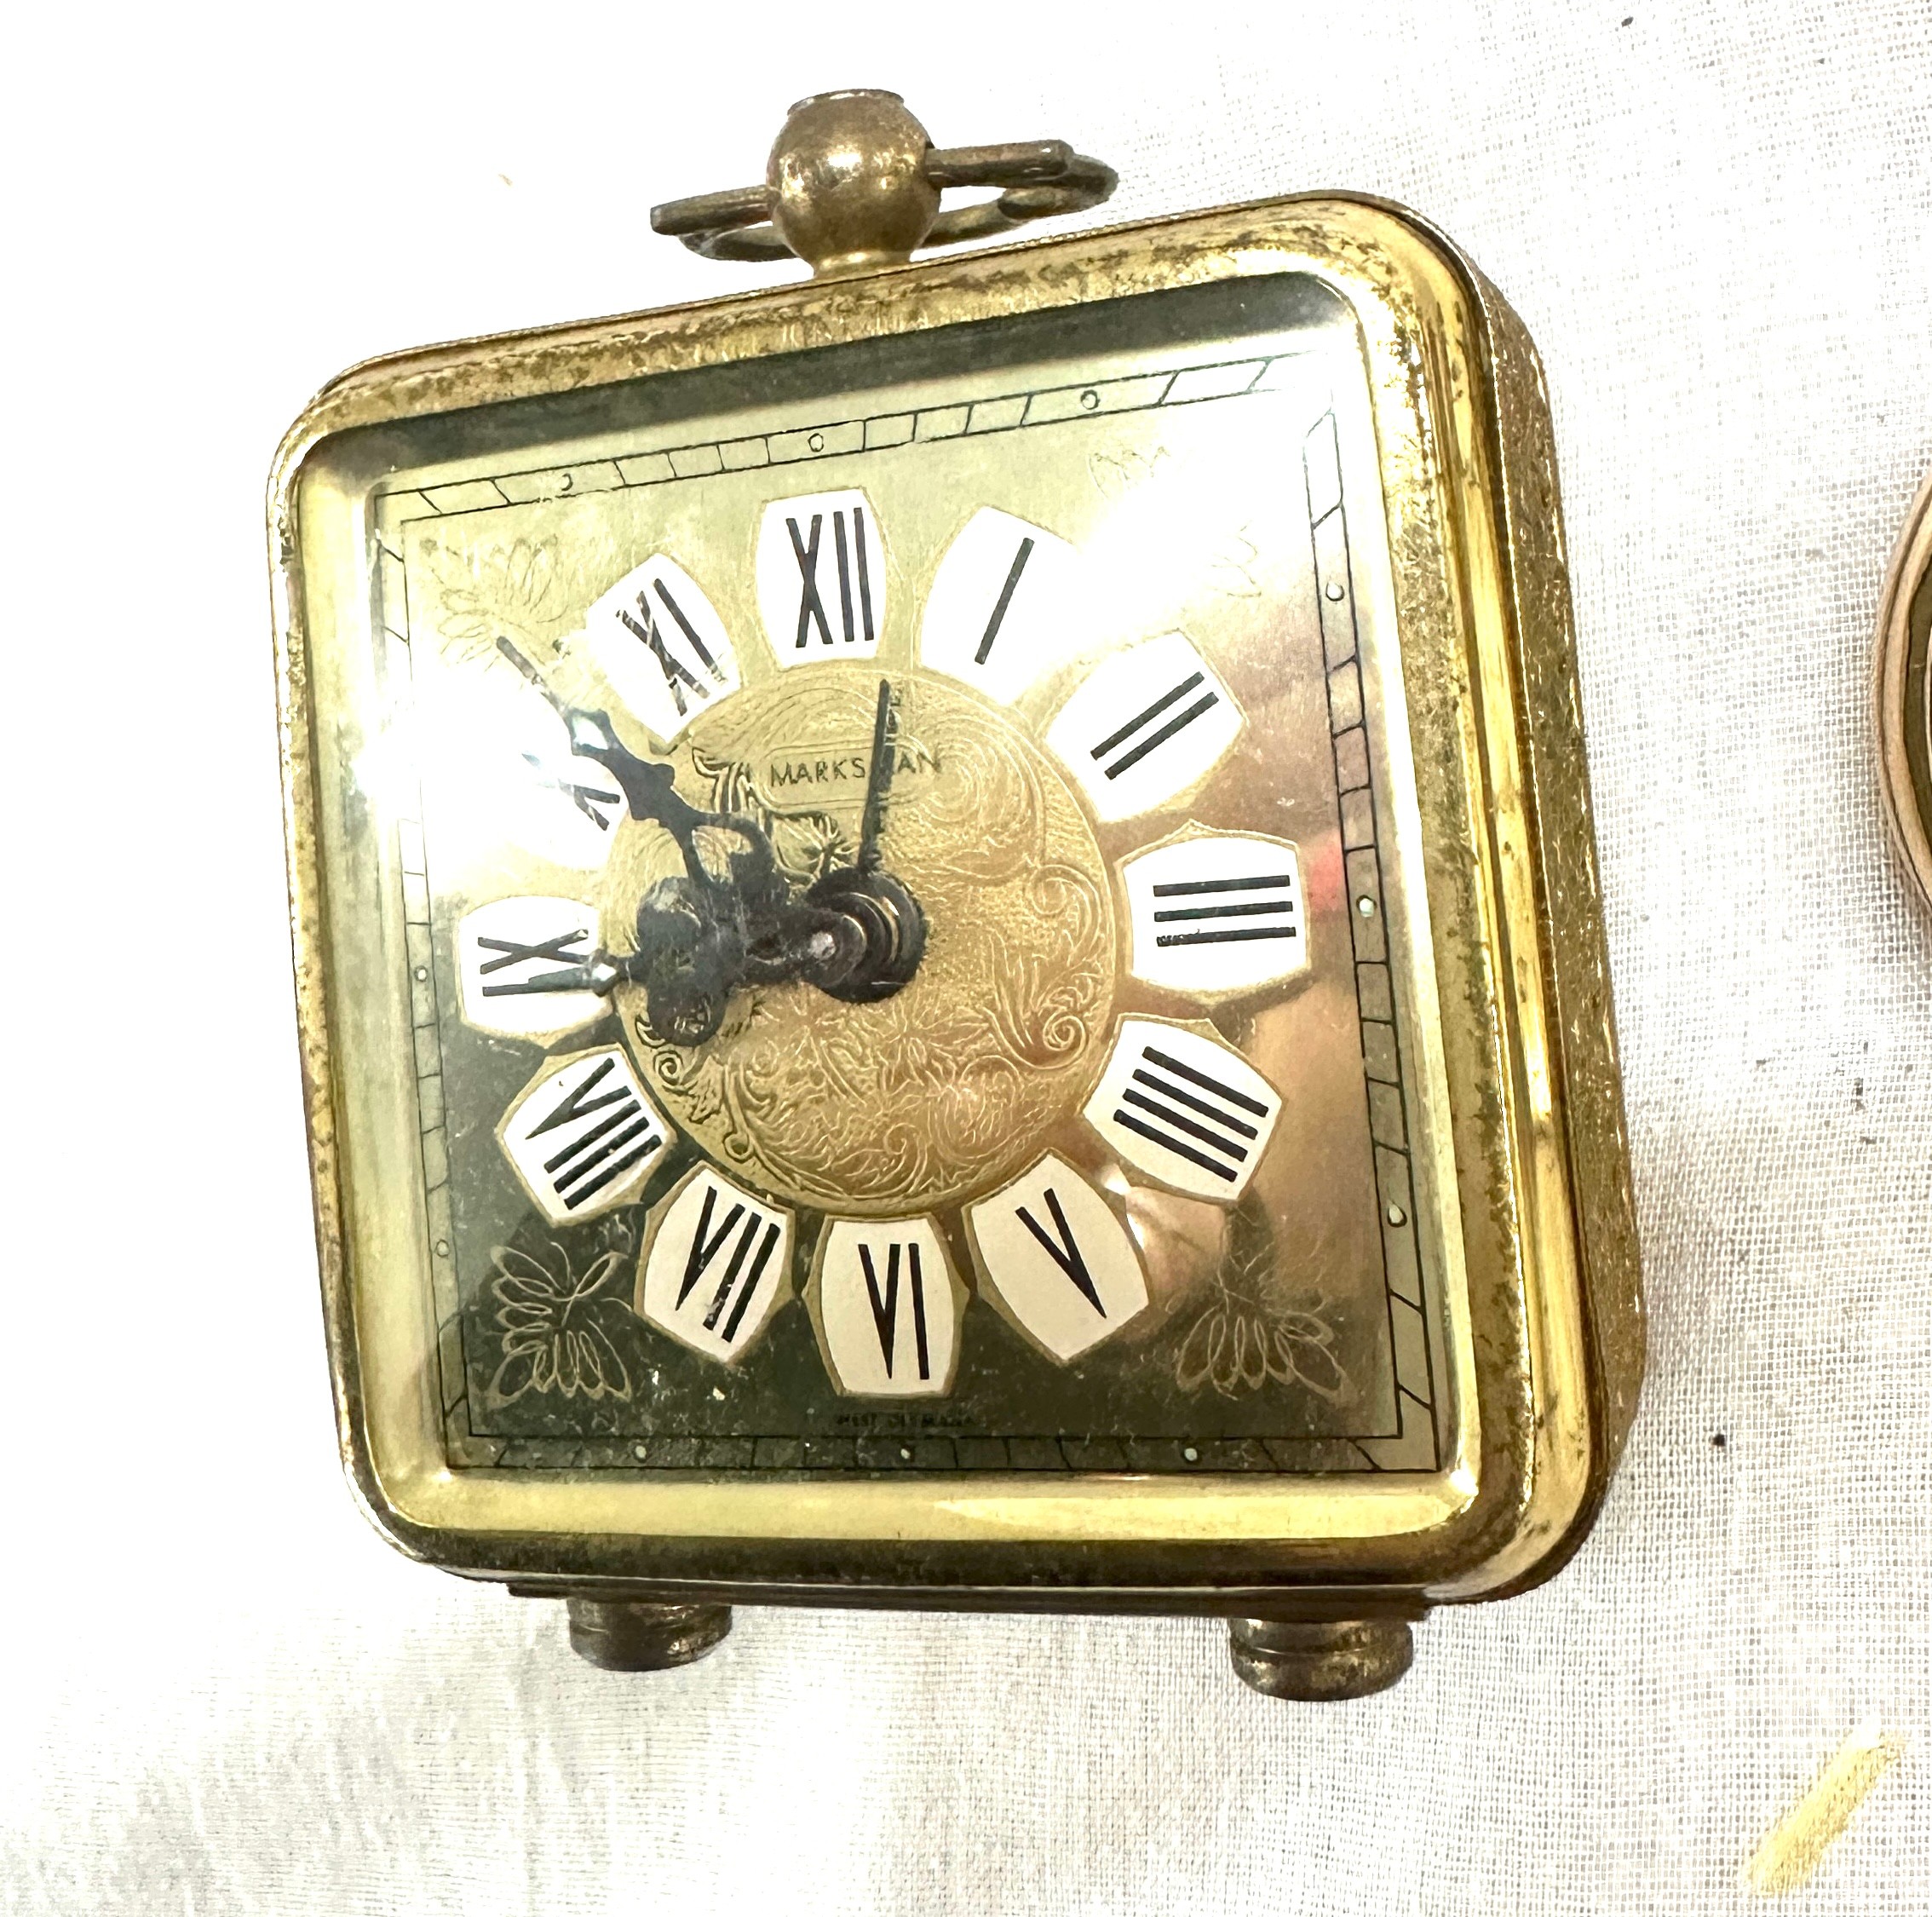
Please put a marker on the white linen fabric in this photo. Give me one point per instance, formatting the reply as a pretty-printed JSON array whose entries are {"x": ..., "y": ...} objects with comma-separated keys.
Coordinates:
[{"x": 225, "y": 1695}]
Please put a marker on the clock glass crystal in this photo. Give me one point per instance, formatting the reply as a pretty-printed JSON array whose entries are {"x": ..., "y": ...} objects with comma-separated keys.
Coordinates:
[{"x": 901, "y": 880}]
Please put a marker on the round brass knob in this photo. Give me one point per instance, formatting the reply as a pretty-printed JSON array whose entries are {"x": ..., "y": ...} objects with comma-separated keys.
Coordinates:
[{"x": 854, "y": 183}]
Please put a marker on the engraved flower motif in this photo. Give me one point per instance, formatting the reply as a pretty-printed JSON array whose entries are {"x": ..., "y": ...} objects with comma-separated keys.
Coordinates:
[
  {"x": 515, "y": 589},
  {"x": 1237, "y": 1347},
  {"x": 1247, "y": 1335},
  {"x": 557, "y": 1327}
]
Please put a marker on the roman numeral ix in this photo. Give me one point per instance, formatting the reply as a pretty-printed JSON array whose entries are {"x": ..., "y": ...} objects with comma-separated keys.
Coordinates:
[
  {"x": 677, "y": 677},
  {"x": 1062, "y": 1247},
  {"x": 1164, "y": 1093},
  {"x": 849, "y": 547},
  {"x": 1213, "y": 908},
  {"x": 704, "y": 1250},
  {"x": 609, "y": 1149},
  {"x": 510, "y": 953},
  {"x": 1141, "y": 735}
]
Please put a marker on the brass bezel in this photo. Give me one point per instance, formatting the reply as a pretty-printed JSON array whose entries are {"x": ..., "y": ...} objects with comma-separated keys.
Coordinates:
[
  {"x": 1900, "y": 676},
  {"x": 1549, "y": 1374}
]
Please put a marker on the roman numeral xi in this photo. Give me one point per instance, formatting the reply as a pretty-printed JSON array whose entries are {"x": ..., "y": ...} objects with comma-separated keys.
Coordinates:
[{"x": 678, "y": 677}]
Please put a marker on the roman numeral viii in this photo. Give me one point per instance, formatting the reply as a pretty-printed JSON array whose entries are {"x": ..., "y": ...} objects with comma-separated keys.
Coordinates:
[
  {"x": 583, "y": 1135},
  {"x": 596, "y": 1152}
]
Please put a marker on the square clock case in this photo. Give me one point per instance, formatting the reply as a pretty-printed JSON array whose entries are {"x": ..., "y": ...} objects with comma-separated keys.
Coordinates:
[{"x": 947, "y": 928}]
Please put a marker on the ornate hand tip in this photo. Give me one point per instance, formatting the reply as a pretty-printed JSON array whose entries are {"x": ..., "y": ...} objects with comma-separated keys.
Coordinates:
[{"x": 878, "y": 777}]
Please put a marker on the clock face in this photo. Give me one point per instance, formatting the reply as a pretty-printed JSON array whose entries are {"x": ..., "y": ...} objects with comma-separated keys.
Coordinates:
[{"x": 907, "y": 911}]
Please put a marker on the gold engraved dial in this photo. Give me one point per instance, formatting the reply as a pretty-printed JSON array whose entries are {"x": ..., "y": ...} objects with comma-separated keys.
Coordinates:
[
  {"x": 917, "y": 928},
  {"x": 949, "y": 1086}
]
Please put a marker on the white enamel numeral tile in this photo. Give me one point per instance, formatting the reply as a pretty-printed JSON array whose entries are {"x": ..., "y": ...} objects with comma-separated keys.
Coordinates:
[
  {"x": 1188, "y": 1111},
  {"x": 662, "y": 646},
  {"x": 584, "y": 1135},
  {"x": 575, "y": 807},
  {"x": 1004, "y": 606},
  {"x": 1146, "y": 725},
  {"x": 719, "y": 1265},
  {"x": 510, "y": 956},
  {"x": 888, "y": 1307},
  {"x": 821, "y": 577},
  {"x": 1058, "y": 1259},
  {"x": 1219, "y": 914}
]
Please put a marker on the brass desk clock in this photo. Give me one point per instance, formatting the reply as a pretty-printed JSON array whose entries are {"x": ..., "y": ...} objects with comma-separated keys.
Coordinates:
[{"x": 947, "y": 932}]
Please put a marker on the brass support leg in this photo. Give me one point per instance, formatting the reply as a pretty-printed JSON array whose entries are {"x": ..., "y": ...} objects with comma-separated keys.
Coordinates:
[
  {"x": 1317, "y": 1662},
  {"x": 627, "y": 1637}
]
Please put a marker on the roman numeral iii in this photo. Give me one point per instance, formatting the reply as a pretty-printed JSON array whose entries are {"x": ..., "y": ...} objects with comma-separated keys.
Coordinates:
[{"x": 1214, "y": 915}]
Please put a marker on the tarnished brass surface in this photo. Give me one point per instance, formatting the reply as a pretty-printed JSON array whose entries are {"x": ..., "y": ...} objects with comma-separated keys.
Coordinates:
[
  {"x": 854, "y": 183},
  {"x": 1512, "y": 1004},
  {"x": 1902, "y": 687},
  {"x": 615, "y": 1634}
]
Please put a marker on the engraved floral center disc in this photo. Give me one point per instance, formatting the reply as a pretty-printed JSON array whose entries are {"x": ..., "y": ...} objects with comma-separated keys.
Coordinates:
[{"x": 950, "y": 1085}]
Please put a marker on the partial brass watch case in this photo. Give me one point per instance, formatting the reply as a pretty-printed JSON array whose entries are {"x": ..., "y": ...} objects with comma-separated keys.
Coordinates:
[
  {"x": 1903, "y": 701},
  {"x": 1225, "y": 1208}
]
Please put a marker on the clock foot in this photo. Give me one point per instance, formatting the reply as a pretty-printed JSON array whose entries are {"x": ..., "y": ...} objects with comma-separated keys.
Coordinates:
[
  {"x": 1317, "y": 1663},
  {"x": 618, "y": 1635}
]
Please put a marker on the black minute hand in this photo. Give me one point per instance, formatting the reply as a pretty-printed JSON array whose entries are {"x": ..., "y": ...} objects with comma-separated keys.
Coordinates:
[{"x": 878, "y": 777}]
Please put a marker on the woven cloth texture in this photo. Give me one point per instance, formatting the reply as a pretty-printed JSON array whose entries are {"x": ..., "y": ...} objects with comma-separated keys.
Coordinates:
[{"x": 225, "y": 1695}]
